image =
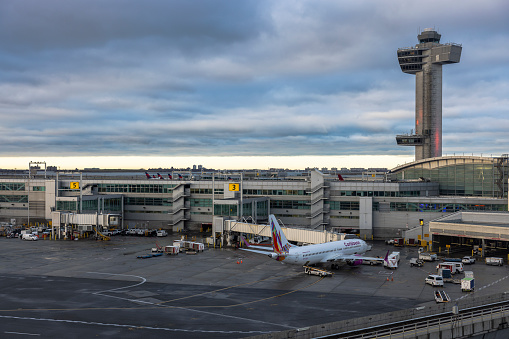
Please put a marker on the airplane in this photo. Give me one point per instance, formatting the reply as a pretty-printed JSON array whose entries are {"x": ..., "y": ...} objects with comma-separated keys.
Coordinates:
[
  {"x": 149, "y": 176},
  {"x": 349, "y": 251}
]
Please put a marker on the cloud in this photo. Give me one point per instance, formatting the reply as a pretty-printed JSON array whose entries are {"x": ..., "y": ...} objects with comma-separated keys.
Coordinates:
[{"x": 243, "y": 78}]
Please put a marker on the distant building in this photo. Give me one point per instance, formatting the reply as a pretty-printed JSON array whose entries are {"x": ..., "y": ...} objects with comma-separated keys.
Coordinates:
[{"x": 380, "y": 205}]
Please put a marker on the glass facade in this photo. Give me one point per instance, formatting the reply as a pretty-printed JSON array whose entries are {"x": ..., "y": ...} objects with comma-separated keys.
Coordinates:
[
  {"x": 13, "y": 198},
  {"x": 147, "y": 201},
  {"x": 290, "y": 204},
  {"x": 113, "y": 204},
  {"x": 225, "y": 210},
  {"x": 273, "y": 192},
  {"x": 67, "y": 205},
  {"x": 458, "y": 176},
  {"x": 444, "y": 208},
  {"x": 197, "y": 202},
  {"x": 344, "y": 205},
  {"x": 135, "y": 188},
  {"x": 12, "y": 186},
  {"x": 380, "y": 194}
]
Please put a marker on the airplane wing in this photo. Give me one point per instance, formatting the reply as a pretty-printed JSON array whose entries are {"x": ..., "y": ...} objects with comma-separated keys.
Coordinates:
[
  {"x": 266, "y": 248},
  {"x": 266, "y": 252},
  {"x": 348, "y": 257}
]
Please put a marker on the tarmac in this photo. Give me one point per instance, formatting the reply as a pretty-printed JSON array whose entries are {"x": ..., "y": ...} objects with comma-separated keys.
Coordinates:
[{"x": 89, "y": 288}]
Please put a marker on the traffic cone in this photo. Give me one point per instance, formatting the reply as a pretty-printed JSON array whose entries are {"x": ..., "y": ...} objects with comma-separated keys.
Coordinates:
[
  {"x": 392, "y": 278},
  {"x": 241, "y": 261},
  {"x": 387, "y": 278},
  {"x": 237, "y": 262}
]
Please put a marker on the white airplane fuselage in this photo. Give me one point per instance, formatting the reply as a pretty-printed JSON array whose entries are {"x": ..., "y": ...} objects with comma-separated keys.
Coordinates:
[{"x": 313, "y": 254}]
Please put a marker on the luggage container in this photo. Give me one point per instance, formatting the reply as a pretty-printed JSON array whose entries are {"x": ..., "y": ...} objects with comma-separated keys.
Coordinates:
[
  {"x": 399, "y": 242},
  {"x": 467, "y": 284},
  {"x": 171, "y": 250},
  {"x": 197, "y": 246}
]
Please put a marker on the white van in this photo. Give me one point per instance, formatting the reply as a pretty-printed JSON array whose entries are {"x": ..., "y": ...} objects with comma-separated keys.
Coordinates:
[
  {"x": 29, "y": 236},
  {"x": 162, "y": 233},
  {"x": 434, "y": 280}
]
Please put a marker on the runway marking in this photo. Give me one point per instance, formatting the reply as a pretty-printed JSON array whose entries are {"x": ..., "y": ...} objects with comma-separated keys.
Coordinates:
[
  {"x": 226, "y": 288},
  {"x": 21, "y": 333},
  {"x": 483, "y": 287},
  {"x": 189, "y": 308},
  {"x": 126, "y": 326}
]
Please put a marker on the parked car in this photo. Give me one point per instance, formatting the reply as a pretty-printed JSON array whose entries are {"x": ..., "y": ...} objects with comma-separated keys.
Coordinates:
[
  {"x": 434, "y": 280},
  {"x": 468, "y": 260},
  {"x": 162, "y": 233}
]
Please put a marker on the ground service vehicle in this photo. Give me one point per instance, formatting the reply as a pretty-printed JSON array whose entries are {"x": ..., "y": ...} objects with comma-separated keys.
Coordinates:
[
  {"x": 455, "y": 267},
  {"x": 427, "y": 256},
  {"x": 441, "y": 297},
  {"x": 416, "y": 262},
  {"x": 392, "y": 260},
  {"x": 467, "y": 284},
  {"x": 162, "y": 233},
  {"x": 494, "y": 261},
  {"x": 468, "y": 260},
  {"x": 317, "y": 271},
  {"x": 29, "y": 236},
  {"x": 434, "y": 280}
]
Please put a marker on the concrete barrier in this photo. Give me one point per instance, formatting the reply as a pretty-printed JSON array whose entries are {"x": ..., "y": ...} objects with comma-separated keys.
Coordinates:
[{"x": 479, "y": 326}]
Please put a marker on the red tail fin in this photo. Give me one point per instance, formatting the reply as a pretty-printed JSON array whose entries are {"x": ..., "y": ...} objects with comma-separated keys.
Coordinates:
[{"x": 340, "y": 177}]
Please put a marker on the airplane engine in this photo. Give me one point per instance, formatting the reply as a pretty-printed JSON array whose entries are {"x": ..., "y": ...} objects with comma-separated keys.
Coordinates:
[
  {"x": 277, "y": 257},
  {"x": 354, "y": 262}
]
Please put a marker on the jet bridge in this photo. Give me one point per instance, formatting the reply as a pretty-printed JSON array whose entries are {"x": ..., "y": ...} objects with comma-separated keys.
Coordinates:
[{"x": 229, "y": 229}]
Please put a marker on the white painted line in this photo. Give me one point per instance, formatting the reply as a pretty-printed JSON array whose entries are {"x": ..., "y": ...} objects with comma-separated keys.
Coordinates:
[
  {"x": 128, "y": 326},
  {"x": 21, "y": 333}
]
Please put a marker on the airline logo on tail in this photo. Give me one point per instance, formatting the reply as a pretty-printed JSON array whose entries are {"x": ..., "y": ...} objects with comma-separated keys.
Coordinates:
[{"x": 279, "y": 242}]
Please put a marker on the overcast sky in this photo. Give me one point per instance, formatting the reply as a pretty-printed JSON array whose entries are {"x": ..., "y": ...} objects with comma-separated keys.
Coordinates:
[{"x": 167, "y": 79}]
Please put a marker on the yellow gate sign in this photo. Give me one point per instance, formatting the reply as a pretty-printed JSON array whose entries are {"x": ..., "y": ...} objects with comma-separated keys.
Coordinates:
[
  {"x": 75, "y": 185},
  {"x": 234, "y": 187}
]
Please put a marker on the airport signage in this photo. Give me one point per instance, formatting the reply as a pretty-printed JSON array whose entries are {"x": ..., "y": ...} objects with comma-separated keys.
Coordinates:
[
  {"x": 75, "y": 185},
  {"x": 234, "y": 187}
]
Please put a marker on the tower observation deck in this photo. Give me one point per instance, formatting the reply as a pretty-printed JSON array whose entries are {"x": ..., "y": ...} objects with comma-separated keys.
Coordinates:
[{"x": 425, "y": 60}]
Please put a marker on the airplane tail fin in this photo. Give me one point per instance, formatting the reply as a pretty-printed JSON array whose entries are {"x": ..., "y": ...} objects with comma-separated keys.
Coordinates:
[
  {"x": 386, "y": 259},
  {"x": 244, "y": 241},
  {"x": 340, "y": 178},
  {"x": 148, "y": 175},
  {"x": 169, "y": 176},
  {"x": 279, "y": 242},
  {"x": 159, "y": 176}
]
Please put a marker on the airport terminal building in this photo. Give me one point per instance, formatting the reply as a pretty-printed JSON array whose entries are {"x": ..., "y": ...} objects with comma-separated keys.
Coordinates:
[{"x": 377, "y": 204}]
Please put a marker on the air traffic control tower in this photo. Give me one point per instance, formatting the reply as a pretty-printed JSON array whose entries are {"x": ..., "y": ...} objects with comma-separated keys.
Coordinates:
[{"x": 425, "y": 60}]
